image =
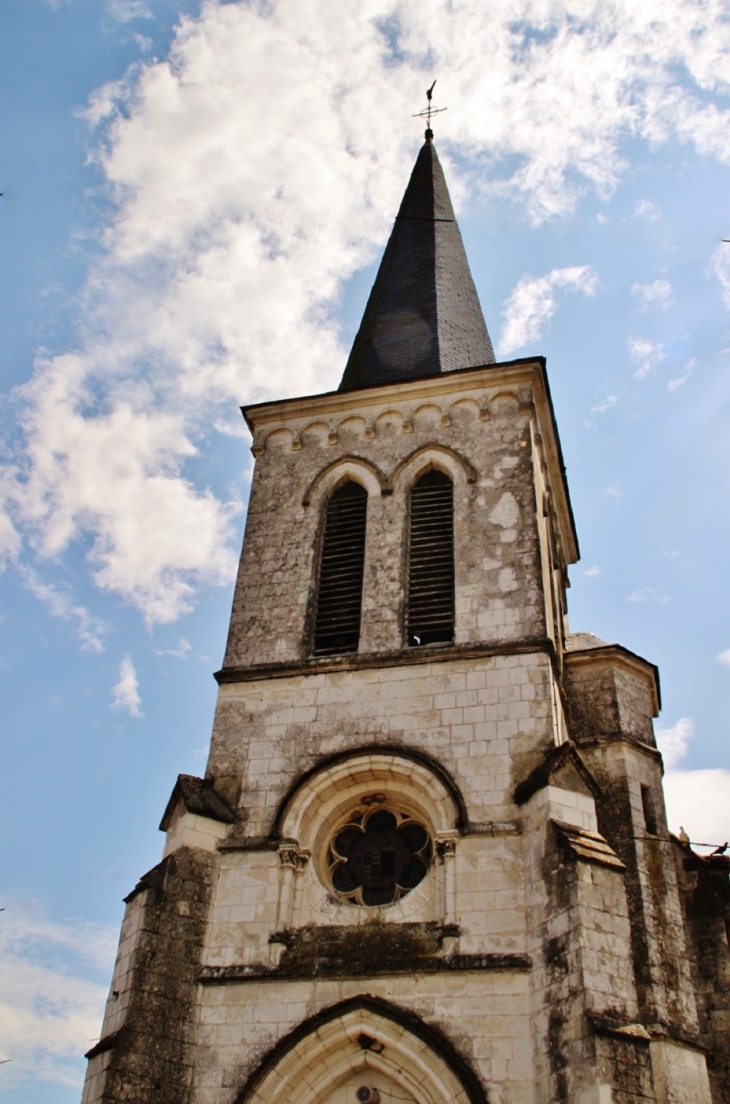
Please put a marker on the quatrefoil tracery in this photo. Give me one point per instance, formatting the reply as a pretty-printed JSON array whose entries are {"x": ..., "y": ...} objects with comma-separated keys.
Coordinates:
[{"x": 378, "y": 856}]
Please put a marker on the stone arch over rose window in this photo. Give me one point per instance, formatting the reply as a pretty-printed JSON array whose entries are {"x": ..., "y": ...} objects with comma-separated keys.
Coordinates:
[{"x": 379, "y": 828}]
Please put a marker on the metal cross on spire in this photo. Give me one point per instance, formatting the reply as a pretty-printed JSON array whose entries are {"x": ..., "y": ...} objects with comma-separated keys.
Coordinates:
[{"x": 429, "y": 110}]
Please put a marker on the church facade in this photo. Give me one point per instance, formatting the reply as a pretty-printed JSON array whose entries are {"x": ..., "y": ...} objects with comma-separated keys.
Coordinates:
[{"x": 429, "y": 860}]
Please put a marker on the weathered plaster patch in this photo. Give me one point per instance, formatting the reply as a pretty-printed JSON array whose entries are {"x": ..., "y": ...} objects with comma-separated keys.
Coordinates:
[
  {"x": 506, "y": 513},
  {"x": 507, "y": 580}
]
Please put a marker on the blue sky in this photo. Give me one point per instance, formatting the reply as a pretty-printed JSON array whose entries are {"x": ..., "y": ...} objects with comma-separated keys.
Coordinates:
[{"x": 194, "y": 202}]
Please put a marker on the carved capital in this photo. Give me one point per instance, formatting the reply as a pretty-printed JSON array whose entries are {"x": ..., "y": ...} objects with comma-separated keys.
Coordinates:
[
  {"x": 445, "y": 847},
  {"x": 292, "y": 855}
]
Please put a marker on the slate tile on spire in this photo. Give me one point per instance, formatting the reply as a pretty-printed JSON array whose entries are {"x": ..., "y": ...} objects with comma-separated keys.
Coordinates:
[{"x": 423, "y": 315}]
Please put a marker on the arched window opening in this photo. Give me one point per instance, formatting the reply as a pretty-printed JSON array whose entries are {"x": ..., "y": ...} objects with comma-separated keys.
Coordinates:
[
  {"x": 430, "y": 614},
  {"x": 339, "y": 593}
]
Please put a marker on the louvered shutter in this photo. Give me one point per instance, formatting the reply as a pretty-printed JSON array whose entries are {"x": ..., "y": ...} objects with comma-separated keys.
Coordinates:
[
  {"x": 339, "y": 593},
  {"x": 431, "y": 561}
]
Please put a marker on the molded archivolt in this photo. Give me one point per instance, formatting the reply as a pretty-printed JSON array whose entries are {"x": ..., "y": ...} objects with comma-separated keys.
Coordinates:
[
  {"x": 315, "y": 808},
  {"x": 362, "y": 471},
  {"x": 432, "y": 456},
  {"x": 371, "y": 1040}
]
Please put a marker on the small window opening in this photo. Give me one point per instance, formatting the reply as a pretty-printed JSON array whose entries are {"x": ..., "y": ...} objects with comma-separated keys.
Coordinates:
[
  {"x": 647, "y": 803},
  {"x": 342, "y": 561},
  {"x": 430, "y": 612}
]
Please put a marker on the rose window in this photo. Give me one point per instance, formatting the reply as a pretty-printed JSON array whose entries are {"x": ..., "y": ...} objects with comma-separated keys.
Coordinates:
[{"x": 378, "y": 856}]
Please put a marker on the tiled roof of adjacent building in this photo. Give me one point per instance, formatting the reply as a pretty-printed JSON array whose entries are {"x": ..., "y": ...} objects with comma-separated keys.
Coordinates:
[
  {"x": 584, "y": 642},
  {"x": 423, "y": 316}
]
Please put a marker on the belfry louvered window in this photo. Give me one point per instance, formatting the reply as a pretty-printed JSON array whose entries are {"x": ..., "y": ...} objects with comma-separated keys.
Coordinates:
[
  {"x": 430, "y": 613},
  {"x": 339, "y": 593}
]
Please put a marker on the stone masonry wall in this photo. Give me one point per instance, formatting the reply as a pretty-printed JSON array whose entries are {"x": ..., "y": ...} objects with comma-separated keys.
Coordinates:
[
  {"x": 487, "y": 721},
  {"x": 578, "y": 936},
  {"x": 705, "y": 890},
  {"x": 487, "y": 452},
  {"x": 146, "y": 1051},
  {"x": 606, "y": 698},
  {"x": 484, "y": 1014},
  {"x": 664, "y": 985}
]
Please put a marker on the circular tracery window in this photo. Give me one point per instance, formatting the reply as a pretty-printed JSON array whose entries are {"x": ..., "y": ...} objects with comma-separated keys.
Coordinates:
[{"x": 376, "y": 857}]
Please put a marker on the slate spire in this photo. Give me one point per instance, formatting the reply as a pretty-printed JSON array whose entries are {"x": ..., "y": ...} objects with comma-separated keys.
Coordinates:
[{"x": 423, "y": 315}]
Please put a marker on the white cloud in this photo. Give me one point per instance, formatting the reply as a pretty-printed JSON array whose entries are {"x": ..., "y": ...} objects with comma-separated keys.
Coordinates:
[
  {"x": 724, "y": 657},
  {"x": 600, "y": 408},
  {"x": 673, "y": 742},
  {"x": 607, "y": 404},
  {"x": 697, "y": 800},
  {"x": 180, "y": 652},
  {"x": 592, "y": 572},
  {"x": 673, "y": 384},
  {"x": 660, "y": 292},
  {"x": 126, "y": 10},
  {"x": 614, "y": 492},
  {"x": 647, "y": 209},
  {"x": 645, "y": 354},
  {"x": 51, "y": 1004},
  {"x": 143, "y": 42},
  {"x": 720, "y": 267},
  {"x": 10, "y": 539},
  {"x": 251, "y": 173},
  {"x": 60, "y": 603},
  {"x": 532, "y": 304},
  {"x": 648, "y": 594},
  {"x": 126, "y": 692}
]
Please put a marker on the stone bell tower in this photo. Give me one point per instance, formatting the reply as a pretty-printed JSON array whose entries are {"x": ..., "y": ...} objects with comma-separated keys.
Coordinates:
[{"x": 429, "y": 860}]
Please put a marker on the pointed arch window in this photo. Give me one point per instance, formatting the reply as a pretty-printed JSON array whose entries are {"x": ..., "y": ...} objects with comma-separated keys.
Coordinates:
[
  {"x": 430, "y": 609},
  {"x": 341, "y": 565}
]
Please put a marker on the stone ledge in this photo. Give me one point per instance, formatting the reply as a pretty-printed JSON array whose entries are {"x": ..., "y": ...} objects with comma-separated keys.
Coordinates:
[
  {"x": 107, "y": 1043},
  {"x": 559, "y": 759},
  {"x": 248, "y": 843},
  {"x": 676, "y": 1035},
  {"x": 198, "y": 796},
  {"x": 620, "y": 738},
  {"x": 494, "y": 828},
  {"x": 588, "y": 846},
  {"x": 642, "y": 1034},
  {"x": 404, "y": 658},
  {"x": 636, "y": 1033},
  {"x": 272, "y": 843},
  {"x": 458, "y": 963}
]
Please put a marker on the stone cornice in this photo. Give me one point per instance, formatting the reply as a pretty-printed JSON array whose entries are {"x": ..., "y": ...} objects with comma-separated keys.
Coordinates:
[
  {"x": 405, "y": 658},
  {"x": 619, "y": 656},
  {"x": 620, "y": 738},
  {"x": 457, "y": 963},
  {"x": 510, "y": 375}
]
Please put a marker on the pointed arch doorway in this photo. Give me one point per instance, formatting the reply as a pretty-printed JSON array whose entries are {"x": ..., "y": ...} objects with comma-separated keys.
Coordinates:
[{"x": 359, "y": 1045}]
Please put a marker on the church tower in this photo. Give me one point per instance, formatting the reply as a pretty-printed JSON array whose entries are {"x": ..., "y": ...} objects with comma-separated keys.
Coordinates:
[{"x": 429, "y": 859}]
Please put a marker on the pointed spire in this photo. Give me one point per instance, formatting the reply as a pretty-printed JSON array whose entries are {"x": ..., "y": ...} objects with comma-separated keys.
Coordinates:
[{"x": 423, "y": 315}]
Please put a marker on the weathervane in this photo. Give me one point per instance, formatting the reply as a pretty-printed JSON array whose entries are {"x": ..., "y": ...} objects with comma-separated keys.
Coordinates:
[{"x": 429, "y": 110}]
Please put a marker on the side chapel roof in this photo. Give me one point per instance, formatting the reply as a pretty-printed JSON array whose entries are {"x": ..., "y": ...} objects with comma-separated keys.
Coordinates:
[{"x": 423, "y": 316}]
